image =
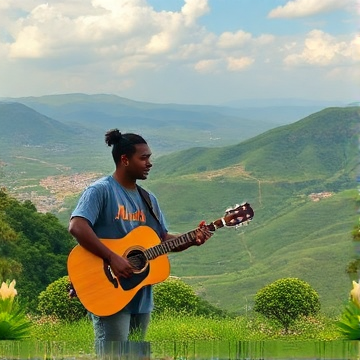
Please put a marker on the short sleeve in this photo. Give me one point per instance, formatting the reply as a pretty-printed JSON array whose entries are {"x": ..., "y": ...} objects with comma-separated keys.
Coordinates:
[{"x": 89, "y": 205}]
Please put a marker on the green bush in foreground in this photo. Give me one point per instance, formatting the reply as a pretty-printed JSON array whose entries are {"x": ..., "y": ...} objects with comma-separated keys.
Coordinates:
[
  {"x": 286, "y": 300},
  {"x": 55, "y": 301}
]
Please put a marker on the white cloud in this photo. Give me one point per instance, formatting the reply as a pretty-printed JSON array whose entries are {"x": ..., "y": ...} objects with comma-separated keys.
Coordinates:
[
  {"x": 265, "y": 39},
  {"x": 353, "y": 50},
  {"x": 159, "y": 43},
  {"x": 239, "y": 64},
  {"x": 118, "y": 45},
  {"x": 301, "y": 8},
  {"x": 125, "y": 27},
  {"x": 230, "y": 40},
  {"x": 193, "y": 9},
  {"x": 206, "y": 66},
  {"x": 319, "y": 48},
  {"x": 29, "y": 44}
]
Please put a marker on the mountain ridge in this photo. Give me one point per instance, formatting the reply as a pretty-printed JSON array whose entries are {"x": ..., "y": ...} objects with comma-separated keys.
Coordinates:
[{"x": 333, "y": 131}]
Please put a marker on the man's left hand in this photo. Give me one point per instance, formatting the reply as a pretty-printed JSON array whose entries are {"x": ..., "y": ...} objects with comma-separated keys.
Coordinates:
[{"x": 202, "y": 233}]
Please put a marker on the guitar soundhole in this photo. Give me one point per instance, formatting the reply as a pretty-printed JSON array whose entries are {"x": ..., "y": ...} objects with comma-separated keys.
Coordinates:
[{"x": 137, "y": 260}]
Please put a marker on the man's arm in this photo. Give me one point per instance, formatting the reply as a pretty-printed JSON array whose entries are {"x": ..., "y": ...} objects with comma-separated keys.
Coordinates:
[{"x": 80, "y": 228}]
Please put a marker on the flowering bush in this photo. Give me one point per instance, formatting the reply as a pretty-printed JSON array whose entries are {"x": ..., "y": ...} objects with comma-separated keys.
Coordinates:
[
  {"x": 349, "y": 322},
  {"x": 13, "y": 322}
]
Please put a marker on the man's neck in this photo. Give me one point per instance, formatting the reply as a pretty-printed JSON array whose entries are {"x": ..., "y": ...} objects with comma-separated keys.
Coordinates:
[{"x": 124, "y": 182}]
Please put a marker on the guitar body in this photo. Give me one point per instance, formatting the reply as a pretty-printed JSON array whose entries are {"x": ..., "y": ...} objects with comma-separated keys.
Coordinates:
[{"x": 98, "y": 289}]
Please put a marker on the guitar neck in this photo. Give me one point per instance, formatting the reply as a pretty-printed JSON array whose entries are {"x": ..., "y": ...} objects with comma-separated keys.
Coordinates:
[{"x": 187, "y": 238}]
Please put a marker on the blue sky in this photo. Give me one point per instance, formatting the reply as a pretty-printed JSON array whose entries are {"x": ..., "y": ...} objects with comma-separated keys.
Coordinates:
[{"x": 182, "y": 51}]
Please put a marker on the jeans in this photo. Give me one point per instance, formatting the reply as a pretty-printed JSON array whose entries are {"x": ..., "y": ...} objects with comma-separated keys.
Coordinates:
[{"x": 112, "y": 332}]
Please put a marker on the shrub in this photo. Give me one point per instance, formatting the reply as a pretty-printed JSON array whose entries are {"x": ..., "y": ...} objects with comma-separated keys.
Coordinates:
[
  {"x": 55, "y": 300},
  {"x": 286, "y": 300},
  {"x": 174, "y": 295}
]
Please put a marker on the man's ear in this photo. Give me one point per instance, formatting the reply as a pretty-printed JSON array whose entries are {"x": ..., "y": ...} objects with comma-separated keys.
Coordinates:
[{"x": 124, "y": 160}]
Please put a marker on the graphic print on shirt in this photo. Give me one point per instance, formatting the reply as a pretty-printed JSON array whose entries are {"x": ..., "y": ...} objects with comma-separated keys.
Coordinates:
[{"x": 123, "y": 214}]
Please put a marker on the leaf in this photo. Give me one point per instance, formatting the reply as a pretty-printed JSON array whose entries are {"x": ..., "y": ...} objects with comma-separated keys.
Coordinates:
[{"x": 4, "y": 330}]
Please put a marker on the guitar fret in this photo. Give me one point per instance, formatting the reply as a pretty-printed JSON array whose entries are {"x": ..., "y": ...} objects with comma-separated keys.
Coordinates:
[{"x": 169, "y": 245}]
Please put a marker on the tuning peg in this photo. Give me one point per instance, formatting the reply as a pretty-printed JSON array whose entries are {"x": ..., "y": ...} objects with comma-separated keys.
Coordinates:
[{"x": 244, "y": 223}]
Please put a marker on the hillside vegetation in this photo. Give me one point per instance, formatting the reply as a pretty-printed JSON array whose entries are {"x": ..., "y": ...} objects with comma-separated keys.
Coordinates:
[
  {"x": 299, "y": 178},
  {"x": 322, "y": 145}
]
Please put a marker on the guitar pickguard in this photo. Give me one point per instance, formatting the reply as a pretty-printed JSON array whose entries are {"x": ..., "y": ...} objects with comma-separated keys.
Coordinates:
[
  {"x": 134, "y": 280},
  {"x": 138, "y": 261}
]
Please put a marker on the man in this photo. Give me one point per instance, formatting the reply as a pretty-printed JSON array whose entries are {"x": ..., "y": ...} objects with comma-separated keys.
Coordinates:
[{"x": 111, "y": 208}]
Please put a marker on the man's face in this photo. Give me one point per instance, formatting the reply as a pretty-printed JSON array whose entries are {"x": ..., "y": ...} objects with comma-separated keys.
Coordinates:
[{"x": 140, "y": 164}]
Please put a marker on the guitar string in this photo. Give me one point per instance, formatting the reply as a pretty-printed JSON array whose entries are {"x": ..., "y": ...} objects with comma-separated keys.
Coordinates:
[{"x": 162, "y": 248}]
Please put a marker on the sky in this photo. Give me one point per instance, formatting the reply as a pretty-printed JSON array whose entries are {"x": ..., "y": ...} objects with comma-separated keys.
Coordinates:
[{"x": 182, "y": 51}]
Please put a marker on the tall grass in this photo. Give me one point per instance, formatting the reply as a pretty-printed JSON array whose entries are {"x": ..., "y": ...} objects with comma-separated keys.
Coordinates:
[
  {"x": 176, "y": 335},
  {"x": 184, "y": 327}
]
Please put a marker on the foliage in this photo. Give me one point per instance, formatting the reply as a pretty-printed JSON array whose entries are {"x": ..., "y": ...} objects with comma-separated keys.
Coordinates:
[
  {"x": 174, "y": 295},
  {"x": 55, "y": 301},
  {"x": 286, "y": 300},
  {"x": 34, "y": 247},
  {"x": 353, "y": 266},
  {"x": 179, "y": 327},
  {"x": 13, "y": 322},
  {"x": 349, "y": 322}
]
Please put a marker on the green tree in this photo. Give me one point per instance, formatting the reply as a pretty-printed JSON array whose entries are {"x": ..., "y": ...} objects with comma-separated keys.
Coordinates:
[
  {"x": 35, "y": 247},
  {"x": 287, "y": 299},
  {"x": 9, "y": 268},
  {"x": 55, "y": 301},
  {"x": 353, "y": 268}
]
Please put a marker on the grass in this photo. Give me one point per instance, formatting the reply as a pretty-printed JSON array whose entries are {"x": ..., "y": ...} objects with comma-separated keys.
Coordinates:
[
  {"x": 182, "y": 327},
  {"x": 175, "y": 336}
]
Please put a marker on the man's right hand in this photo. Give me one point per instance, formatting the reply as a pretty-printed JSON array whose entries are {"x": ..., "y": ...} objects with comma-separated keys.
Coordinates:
[{"x": 120, "y": 266}]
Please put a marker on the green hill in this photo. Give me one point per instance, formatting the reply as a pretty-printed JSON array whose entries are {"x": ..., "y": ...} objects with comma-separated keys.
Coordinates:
[
  {"x": 322, "y": 145},
  {"x": 299, "y": 178},
  {"x": 291, "y": 236},
  {"x": 23, "y": 126}
]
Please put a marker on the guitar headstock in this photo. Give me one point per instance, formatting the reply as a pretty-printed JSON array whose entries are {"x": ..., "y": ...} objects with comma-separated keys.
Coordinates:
[{"x": 238, "y": 215}]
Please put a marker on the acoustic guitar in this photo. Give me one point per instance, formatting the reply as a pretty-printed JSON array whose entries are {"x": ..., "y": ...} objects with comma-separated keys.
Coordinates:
[{"x": 104, "y": 294}]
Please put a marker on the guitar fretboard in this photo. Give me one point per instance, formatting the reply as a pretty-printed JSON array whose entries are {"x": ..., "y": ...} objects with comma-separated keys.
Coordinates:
[
  {"x": 169, "y": 245},
  {"x": 237, "y": 216}
]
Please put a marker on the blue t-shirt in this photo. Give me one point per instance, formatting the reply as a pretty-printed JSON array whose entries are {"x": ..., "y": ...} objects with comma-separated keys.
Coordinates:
[{"x": 113, "y": 211}]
